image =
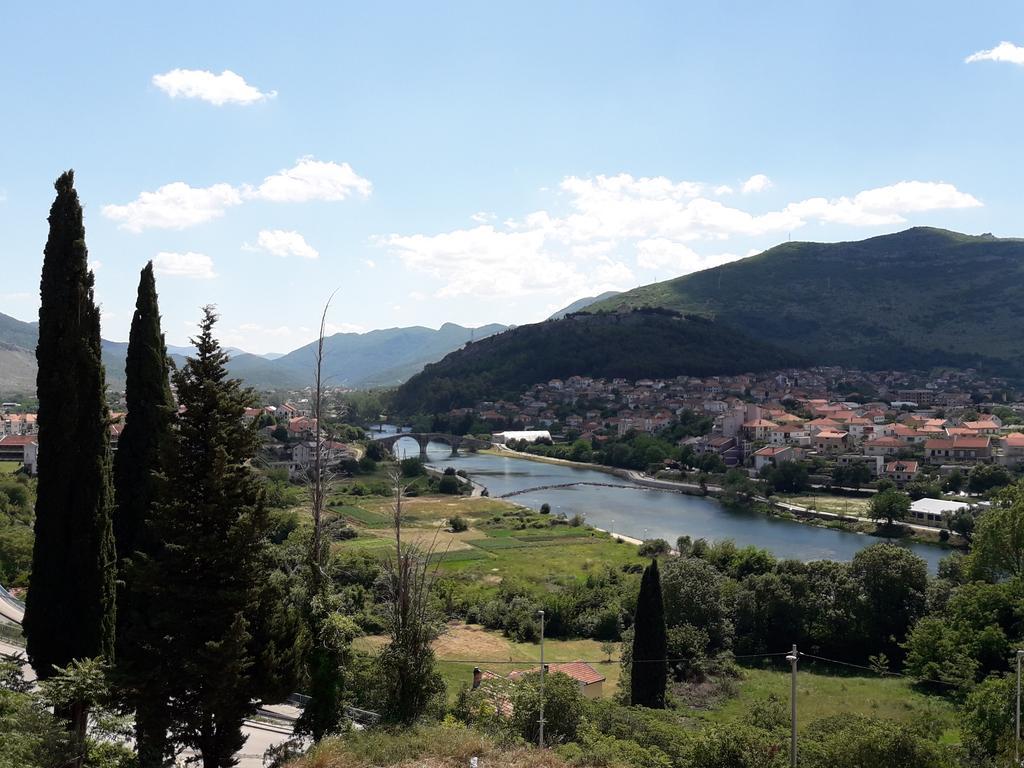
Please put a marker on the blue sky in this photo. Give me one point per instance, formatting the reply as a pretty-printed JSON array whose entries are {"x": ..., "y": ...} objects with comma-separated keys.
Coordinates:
[{"x": 477, "y": 162}]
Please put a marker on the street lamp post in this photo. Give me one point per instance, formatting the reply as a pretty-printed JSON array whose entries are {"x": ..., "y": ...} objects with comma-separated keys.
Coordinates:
[
  {"x": 540, "y": 737},
  {"x": 792, "y": 659}
]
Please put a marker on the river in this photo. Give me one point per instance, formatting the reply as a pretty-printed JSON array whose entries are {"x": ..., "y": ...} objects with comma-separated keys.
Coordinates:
[{"x": 645, "y": 513}]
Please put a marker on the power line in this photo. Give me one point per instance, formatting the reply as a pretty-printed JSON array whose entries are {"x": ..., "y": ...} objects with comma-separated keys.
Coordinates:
[
  {"x": 884, "y": 673},
  {"x": 596, "y": 661}
]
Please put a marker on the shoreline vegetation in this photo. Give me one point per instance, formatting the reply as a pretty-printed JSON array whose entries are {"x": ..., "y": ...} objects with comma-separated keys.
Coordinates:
[{"x": 774, "y": 507}]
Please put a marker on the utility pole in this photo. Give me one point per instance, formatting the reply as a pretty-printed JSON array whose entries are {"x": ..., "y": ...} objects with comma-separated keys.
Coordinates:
[
  {"x": 540, "y": 738},
  {"x": 792, "y": 659}
]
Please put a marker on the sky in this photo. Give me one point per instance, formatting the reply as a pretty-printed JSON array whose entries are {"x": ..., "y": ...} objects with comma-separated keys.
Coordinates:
[{"x": 486, "y": 162}]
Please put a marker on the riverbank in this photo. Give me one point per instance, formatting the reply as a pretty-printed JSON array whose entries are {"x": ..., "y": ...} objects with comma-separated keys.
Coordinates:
[{"x": 921, "y": 534}]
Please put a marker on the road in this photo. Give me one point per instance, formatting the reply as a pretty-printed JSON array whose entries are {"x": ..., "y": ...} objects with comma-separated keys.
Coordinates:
[
  {"x": 11, "y": 608},
  {"x": 259, "y": 736}
]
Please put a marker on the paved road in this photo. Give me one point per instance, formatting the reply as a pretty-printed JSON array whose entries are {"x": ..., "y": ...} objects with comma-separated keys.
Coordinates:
[
  {"x": 260, "y": 736},
  {"x": 11, "y": 608}
]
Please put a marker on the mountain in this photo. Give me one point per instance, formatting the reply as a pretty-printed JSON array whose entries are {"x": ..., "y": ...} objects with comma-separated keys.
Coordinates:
[
  {"x": 632, "y": 344},
  {"x": 915, "y": 299},
  {"x": 358, "y": 360},
  {"x": 581, "y": 304},
  {"x": 362, "y": 360}
]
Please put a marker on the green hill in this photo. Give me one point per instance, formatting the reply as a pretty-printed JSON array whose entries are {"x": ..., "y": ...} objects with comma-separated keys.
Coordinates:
[
  {"x": 914, "y": 299},
  {"x": 637, "y": 344}
]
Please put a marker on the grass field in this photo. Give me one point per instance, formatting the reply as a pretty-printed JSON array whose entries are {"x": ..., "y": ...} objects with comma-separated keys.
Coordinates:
[
  {"x": 9, "y": 467},
  {"x": 498, "y": 545},
  {"x": 464, "y": 647},
  {"x": 841, "y": 505},
  {"x": 822, "y": 692}
]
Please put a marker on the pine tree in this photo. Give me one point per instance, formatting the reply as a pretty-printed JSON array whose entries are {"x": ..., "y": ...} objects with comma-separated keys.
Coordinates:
[
  {"x": 207, "y": 582},
  {"x": 142, "y": 452},
  {"x": 70, "y": 612},
  {"x": 649, "y": 674}
]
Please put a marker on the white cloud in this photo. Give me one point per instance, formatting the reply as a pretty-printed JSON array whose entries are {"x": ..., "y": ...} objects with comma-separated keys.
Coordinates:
[
  {"x": 756, "y": 183},
  {"x": 311, "y": 179},
  {"x": 723, "y": 189},
  {"x": 225, "y": 88},
  {"x": 178, "y": 205},
  {"x": 174, "y": 206},
  {"x": 284, "y": 243},
  {"x": 915, "y": 196},
  {"x": 613, "y": 219},
  {"x": 482, "y": 217},
  {"x": 884, "y": 205},
  {"x": 370, "y": 263},
  {"x": 1008, "y": 52},
  {"x": 194, "y": 265},
  {"x": 95, "y": 265}
]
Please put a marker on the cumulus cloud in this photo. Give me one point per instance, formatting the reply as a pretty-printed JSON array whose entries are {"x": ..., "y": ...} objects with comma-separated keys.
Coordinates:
[
  {"x": 174, "y": 206},
  {"x": 756, "y": 183},
  {"x": 311, "y": 179},
  {"x": 884, "y": 205},
  {"x": 1006, "y": 52},
  {"x": 281, "y": 242},
  {"x": 178, "y": 205},
  {"x": 225, "y": 88},
  {"x": 190, "y": 264},
  {"x": 654, "y": 222}
]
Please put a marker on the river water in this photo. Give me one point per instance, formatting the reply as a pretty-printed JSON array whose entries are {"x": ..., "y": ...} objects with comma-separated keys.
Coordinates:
[{"x": 645, "y": 513}]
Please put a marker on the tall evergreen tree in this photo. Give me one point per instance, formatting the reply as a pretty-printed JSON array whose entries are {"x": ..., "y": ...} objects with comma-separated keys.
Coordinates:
[
  {"x": 143, "y": 449},
  {"x": 70, "y": 612},
  {"x": 649, "y": 674},
  {"x": 207, "y": 582}
]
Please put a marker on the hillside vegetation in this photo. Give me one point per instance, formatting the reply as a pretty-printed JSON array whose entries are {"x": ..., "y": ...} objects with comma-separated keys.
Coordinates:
[
  {"x": 917, "y": 298},
  {"x": 635, "y": 344}
]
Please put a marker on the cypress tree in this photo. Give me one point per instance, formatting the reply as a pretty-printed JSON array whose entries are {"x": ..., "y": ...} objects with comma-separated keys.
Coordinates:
[
  {"x": 649, "y": 674},
  {"x": 207, "y": 581},
  {"x": 70, "y": 606},
  {"x": 70, "y": 611},
  {"x": 142, "y": 452}
]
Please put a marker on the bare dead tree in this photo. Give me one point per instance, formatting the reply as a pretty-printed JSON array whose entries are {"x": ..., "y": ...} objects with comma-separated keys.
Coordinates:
[
  {"x": 409, "y": 574},
  {"x": 317, "y": 482}
]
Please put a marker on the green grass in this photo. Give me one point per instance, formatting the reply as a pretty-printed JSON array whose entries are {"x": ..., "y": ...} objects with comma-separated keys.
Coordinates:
[
  {"x": 459, "y": 556},
  {"x": 821, "y": 693},
  {"x": 493, "y": 545},
  {"x": 363, "y": 517},
  {"x": 841, "y": 505},
  {"x": 9, "y": 467}
]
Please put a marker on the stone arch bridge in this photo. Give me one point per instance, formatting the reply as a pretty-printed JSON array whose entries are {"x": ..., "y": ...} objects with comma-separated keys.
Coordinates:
[{"x": 424, "y": 438}]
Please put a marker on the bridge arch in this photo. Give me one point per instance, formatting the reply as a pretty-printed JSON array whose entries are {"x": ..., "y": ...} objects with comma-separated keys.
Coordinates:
[{"x": 423, "y": 439}]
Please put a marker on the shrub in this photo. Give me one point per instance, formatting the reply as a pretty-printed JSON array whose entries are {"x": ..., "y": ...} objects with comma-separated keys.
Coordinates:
[
  {"x": 545, "y": 508},
  {"x": 412, "y": 467},
  {"x": 449, "y": 484},
  {"x": 458, "y": 524},
  {"x": 653, "y": 548}
]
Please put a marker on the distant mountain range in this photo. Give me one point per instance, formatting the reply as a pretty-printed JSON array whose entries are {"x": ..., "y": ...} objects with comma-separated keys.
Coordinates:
[
  {"x": 359, "y": 360},
  {"x": 915, "y": 299}
]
